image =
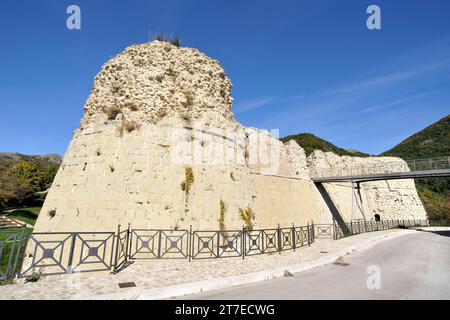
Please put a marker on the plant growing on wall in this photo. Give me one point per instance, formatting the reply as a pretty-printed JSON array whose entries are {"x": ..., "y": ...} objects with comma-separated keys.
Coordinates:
[
  {"x": 188, "y": 180},
  {"x": 223, "y": 210},
  {"x": 247, "y": 216}
]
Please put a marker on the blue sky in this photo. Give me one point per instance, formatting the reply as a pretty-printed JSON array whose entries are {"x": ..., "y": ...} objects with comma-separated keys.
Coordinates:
[{"x": 297, "y": 66}]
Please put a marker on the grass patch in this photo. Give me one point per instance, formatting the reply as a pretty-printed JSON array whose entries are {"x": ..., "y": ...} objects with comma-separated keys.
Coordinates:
[{"x": 26, "y": 215}]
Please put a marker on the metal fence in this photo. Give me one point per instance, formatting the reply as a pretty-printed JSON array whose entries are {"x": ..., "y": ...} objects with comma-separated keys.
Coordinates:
[
  {"x": 56, "y": 253},
  {"x": 11, "y": 251},
  {"x": 65, "y": 252},
  {"x": 337, "y": 231}
]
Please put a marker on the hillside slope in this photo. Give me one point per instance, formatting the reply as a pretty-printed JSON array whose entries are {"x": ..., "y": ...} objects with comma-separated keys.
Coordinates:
[
  {"x": 431, "y": 142},
  {"x": 310, "y": 142}
]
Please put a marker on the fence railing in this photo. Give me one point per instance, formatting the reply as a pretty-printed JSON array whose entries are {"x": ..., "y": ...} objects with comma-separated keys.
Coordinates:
[
  {"x": 337, "y": 231},
  {"x": 56, "y": 253},
  {"x": 398, "y": 166}
]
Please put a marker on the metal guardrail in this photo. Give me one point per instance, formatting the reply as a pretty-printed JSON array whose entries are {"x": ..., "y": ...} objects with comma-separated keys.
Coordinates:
[
  {"x": 399, "y": 166},
  {"x": 11, "y": 249},
  {"x": 56, "y": 253},
  {"x": 336, "y": 231}
]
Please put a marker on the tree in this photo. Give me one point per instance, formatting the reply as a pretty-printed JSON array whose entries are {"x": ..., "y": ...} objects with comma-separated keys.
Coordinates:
[{"x": 29, "y": 175}]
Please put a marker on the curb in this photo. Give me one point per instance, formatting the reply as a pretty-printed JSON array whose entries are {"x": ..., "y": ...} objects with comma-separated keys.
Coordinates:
[{"x": 232, "y": 281}]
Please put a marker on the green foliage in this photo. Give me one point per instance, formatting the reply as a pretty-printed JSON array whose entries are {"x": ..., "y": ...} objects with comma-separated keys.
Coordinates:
[
  {"x": 247, "y": 216},
  {"x": 433, "y": 141},
  {"x": 30, "y": 174},
  {"x": 22, "y": 176},
  {"x": 310, "y": 142},
  {"x": 49, "y": 174}
]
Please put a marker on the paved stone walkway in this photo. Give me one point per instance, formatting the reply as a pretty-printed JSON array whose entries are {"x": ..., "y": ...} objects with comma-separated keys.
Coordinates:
[{"x": 162, "y": 273}]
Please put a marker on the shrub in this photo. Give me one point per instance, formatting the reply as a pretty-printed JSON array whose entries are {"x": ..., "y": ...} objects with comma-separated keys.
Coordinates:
[
  {"x": 112, "y": 112},
  {"x": 130, "y": 125},
  {"x": 247, "y": 216},
  {"x": 34, "y": 277},
  {"x": 287, "y": 274},
  {"x": 174, "y": 40},
  {"x": 51, "y": 213}
]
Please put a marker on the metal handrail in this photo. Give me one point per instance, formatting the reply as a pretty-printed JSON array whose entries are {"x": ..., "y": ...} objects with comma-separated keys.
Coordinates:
[{"x": 399, "y": 166}]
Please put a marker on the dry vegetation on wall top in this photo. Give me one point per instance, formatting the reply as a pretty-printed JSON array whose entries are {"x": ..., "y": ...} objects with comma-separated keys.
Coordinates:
[{"x": 174, "y": 40}]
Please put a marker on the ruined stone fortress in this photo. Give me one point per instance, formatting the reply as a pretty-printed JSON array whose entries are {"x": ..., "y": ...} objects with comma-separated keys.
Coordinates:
[{"x": 158, "y": 147}]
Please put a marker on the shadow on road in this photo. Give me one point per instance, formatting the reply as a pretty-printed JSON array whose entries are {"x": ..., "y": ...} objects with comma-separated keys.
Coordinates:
[{"x": 444, "y": 233}]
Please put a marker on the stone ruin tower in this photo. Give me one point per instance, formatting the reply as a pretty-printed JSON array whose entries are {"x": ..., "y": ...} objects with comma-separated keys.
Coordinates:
[{"x": 158, "y": 147}]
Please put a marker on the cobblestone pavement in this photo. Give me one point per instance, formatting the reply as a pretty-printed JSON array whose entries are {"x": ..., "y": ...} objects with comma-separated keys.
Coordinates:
[{"x": 162, "y": 273}]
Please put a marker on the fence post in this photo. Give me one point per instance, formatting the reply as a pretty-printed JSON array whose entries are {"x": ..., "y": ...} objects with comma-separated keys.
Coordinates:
[
  {"x": 308, "y": 235},
  {"x": 294, "y": 243},
  {"x": 117, "y": 247},
  {"x": 243, "y": 242},
  {"x": 159, "y": 243},
  {"x": 279, "y": 239},
  {"x": 218, "y": 245},
  {"x": 20, "y": 240},
  {"x": 72, "y": 248},
  {"x": 190, "y": 243},
  {"x": 128, "y": 239}
]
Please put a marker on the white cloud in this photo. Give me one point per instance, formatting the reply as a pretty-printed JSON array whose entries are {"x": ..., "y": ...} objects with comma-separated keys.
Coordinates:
[
  {"x": 254, "y": 104},
  {"x": 396, "y": 102}
]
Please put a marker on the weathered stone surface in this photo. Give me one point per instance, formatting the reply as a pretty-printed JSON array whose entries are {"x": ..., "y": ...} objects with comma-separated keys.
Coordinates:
[{"x": 148, "y": 82}]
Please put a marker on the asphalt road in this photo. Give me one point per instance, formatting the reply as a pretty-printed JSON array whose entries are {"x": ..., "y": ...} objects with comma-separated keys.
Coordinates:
[{"x": 414, "y": 266}]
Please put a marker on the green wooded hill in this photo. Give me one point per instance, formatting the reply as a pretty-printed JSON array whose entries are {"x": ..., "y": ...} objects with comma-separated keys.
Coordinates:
[
  {"x": 431, "y": 142},
  {"x": 310, "y": 142}
]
